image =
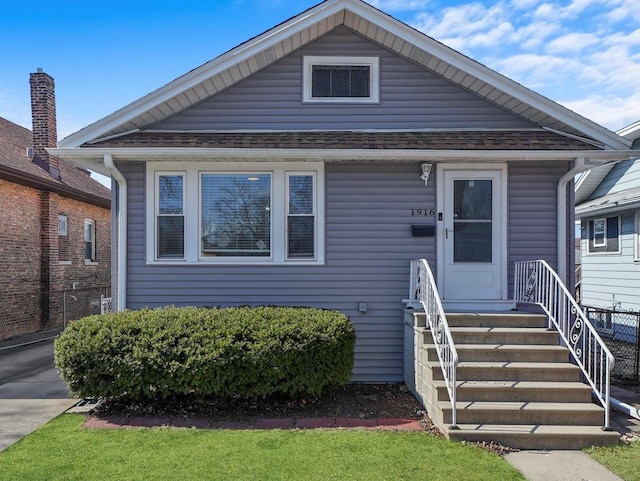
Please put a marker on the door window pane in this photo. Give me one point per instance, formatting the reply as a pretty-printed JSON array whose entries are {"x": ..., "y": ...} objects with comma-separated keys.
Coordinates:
[
  {"x": 472, "y": 199},
  {"x": 472, "y": 242},
  {"x": 472, "y": 221},
  {"x": 236, "y": 215}
]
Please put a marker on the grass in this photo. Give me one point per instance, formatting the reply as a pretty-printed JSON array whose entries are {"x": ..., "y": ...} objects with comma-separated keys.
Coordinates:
[
  {"x": 64, "y": 450},
  {"x": 624, "y": 459}
]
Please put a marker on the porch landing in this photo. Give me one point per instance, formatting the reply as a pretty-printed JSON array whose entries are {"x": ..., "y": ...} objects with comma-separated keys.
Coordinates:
[{"x": 515, "y": 383}]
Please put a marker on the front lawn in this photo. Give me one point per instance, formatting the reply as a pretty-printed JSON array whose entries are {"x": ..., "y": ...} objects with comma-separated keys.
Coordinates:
[
  {"x": 64, "y": 450},
  {"x": 624, "y": 459}
]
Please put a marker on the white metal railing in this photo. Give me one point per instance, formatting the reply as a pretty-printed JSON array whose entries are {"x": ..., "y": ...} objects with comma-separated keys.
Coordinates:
[
  {"x": 537, "y": 283},
  {"x": 424, "y": 290},
  {"x": 105, "y": 304}
]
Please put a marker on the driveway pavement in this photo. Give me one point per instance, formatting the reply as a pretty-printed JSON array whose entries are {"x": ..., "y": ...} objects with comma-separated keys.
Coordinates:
[{"x": 31, "y": 391}]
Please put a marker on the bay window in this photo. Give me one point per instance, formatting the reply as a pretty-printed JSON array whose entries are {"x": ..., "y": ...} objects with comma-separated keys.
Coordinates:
[{"x": 262, "y": 212}]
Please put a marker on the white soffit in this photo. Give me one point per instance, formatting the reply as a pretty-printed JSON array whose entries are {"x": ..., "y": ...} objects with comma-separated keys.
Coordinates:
[
  {"x": 267, "y": 48},
  {"x": 589, "y": 181}
]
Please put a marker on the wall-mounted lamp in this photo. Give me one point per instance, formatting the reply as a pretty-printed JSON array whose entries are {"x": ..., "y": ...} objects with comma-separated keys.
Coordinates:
[{"x": 426, "y": 170}]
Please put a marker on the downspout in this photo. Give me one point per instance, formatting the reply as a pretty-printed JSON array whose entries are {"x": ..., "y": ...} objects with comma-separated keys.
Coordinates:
[
  {"x": 121, "y": 225},
  {"x": 579, "y": 166}
]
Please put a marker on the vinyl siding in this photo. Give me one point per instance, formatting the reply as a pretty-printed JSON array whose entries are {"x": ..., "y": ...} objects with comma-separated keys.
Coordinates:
[
  {"x": 532, "y": 212},
  {"x": 368, "y": 249},
  {"x": 623, "y": 176},
  {"x": 410, "y": 98},
  {"x": 609, "y": 278}
]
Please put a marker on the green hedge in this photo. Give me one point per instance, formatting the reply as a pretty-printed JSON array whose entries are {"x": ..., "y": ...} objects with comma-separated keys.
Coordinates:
[{"x": 230, "y": 353}]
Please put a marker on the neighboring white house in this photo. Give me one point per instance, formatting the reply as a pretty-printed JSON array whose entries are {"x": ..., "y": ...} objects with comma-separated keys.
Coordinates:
[{"x": 608, "y": 208}]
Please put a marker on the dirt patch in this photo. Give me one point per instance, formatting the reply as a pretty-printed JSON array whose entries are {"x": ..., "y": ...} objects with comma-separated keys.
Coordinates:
[{"x": 363, "y": 401}]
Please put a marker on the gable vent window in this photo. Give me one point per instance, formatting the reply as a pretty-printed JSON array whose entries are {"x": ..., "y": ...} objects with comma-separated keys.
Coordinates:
[{"x": 341, "y": 79}]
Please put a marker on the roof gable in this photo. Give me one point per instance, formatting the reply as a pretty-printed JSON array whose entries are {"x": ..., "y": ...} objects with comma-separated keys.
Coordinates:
[{"x": 267, "y": 48}]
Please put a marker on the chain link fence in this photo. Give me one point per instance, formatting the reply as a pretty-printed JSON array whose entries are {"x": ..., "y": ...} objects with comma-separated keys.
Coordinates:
[
  {"x": 70, "y": 304},
  {"x": 620, "y": 330}
]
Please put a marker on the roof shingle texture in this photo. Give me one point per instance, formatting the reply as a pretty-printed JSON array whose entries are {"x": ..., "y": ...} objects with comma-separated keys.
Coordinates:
[
  {"x": 14, "y": 141},
  {"x": 432, "y": 140}
]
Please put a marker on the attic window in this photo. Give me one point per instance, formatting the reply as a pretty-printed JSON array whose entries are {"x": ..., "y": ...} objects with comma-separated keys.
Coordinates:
[{"x": 341, "y": 79}]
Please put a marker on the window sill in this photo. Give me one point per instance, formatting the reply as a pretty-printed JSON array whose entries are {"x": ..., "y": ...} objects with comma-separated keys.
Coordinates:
[
  {"x": 91, "y": 263},
  {"x": 232, "y": 263},
  {"x": 64, "y": 263}
]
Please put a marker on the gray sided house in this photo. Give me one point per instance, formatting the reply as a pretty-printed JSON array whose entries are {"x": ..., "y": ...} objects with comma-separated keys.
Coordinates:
[
  {"x": 608, "y": 208},
  {"x": 311, "y": 164}
]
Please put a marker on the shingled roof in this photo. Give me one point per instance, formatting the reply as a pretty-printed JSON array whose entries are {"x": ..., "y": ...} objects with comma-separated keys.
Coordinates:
[
  {"x": 458, "y": 140},
  {"x": 17, "y": 166}
]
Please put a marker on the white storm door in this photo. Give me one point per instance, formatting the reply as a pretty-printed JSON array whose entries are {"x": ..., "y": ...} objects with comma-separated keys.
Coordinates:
[{"x": 474, "y": 235}]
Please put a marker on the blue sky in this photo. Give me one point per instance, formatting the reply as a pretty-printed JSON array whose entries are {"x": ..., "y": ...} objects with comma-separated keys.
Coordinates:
[{"x": 584, "y": 54}]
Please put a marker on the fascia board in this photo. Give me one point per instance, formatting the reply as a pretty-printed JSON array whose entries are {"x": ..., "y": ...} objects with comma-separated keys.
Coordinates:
[
  {"x": 200, "y": 74},
  {"x": 89, "y": 156},
  {"x": 630, "y": 132}
]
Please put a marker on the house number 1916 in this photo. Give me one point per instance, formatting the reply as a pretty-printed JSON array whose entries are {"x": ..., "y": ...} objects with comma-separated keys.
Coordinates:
[{"x": 423, "y": 212}]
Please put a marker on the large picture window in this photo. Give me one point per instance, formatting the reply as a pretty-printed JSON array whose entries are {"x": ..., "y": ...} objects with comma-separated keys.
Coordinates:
[
  {"x": 341, "y": 79},
  {"x": 236, "y": 215},
  {"x": 261, "y": 212}
]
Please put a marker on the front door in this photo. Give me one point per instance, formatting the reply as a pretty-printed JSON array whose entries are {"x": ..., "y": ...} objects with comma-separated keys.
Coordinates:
[{"x": 473, "y": 235}]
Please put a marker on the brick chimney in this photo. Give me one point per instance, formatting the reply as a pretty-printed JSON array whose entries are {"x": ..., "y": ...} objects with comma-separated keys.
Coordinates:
[{"x": 43, "y": 113}]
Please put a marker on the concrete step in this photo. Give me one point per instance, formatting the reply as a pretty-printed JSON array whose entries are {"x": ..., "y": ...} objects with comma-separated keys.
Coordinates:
[
  {"x": 522, "y": 391},
  {"x": 544, "y": 413},
  {"x": 513, "y": 371},
  {"x": 501, "y": 335},
  {"x": 498, "y": 319},
  {"x": 534, "y": 436},
  {"x": 506, "y": 352}
]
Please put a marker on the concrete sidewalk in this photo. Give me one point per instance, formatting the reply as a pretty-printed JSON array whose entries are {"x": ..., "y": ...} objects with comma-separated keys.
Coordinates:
[
  {"x": 31, "y": 391},
  {"x": 576, "y": 465}
]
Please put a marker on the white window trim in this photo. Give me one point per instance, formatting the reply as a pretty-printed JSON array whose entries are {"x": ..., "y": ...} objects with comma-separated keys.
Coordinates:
[
  {"x": 156, "y": 212},
  {"x": 618, "y": 251},
  {"x": 192, "y": 172},
  {"x": 63, "y": 225},
  {"x": 636, "y": 237},
  {"x": 314, "y": 213},
  {"x": 604, "y": 222},
  {"x": 374, "y": 78},
  {"x": 94, "y": 250}
]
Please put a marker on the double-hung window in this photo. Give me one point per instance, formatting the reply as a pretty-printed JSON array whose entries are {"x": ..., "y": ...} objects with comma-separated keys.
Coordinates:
[
  {"x": 169, "y": 215},
  {"x": 603, "y": 235},
  {"x": 341, "y": 79},
  {"x": 263, "y": 212},
  {"x": 89, "y": 240}
]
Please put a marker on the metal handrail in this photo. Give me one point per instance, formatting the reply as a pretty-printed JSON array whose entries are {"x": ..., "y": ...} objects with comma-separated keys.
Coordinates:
[
  {"x": 425, "y": 291},
  {"x": 537, "y": 283}
]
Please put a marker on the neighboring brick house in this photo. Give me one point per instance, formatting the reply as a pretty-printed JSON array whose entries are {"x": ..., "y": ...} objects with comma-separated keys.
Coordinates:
[{"x": 55, "y": 224}]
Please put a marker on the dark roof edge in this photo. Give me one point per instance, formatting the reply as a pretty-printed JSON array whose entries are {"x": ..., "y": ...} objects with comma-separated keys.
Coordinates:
[{"x": 28, "y": 180}]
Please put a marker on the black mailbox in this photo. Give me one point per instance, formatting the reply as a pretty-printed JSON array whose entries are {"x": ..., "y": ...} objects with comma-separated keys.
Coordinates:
[{"x": 423, "y": 230}]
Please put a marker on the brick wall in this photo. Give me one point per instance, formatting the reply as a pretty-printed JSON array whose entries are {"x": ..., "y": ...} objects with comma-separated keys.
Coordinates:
[
  {"x": 33, "y": 276},
  {"x": 20, "y": 253}
]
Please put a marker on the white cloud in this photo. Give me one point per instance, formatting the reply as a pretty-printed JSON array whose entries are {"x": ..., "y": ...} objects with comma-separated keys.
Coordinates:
[
  {"x": 573, "y": 42},
  {"x": 611, "y": 111}
]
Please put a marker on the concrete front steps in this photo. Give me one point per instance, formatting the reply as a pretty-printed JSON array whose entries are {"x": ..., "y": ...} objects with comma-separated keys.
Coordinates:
[{"x": 515, "y": 386}]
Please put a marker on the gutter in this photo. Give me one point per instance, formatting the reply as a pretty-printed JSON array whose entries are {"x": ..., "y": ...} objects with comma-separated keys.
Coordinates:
[{"x": 120, "y": 265}]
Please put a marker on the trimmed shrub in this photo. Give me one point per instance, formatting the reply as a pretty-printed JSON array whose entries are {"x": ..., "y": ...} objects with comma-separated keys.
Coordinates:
[{"x": 230, "y": 353}]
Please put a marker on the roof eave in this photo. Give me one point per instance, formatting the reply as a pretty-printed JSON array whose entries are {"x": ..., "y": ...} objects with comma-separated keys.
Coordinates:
[{"x": 93, "y": 158}]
